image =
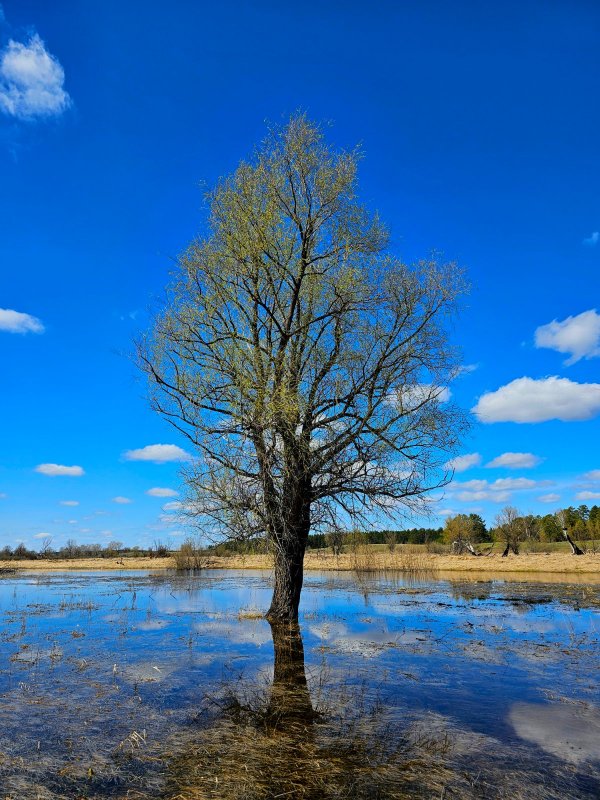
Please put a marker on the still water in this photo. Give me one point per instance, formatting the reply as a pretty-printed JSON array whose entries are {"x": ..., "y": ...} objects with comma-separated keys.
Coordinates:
[{"x": 136, "y": 685}]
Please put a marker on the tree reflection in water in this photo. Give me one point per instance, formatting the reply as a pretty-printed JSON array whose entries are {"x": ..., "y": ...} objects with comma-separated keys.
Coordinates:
[{"x": 277, "y": 744}]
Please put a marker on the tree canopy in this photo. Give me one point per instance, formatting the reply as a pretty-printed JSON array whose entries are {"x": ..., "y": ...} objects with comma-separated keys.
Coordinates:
[{"x": 307, "y": 364}]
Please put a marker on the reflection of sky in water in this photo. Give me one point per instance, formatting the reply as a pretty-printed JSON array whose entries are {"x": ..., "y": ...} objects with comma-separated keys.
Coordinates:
[{"x": 115, "y": 653}]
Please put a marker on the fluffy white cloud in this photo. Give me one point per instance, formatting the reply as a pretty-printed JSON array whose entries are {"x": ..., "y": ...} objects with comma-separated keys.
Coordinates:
[
  {"x": 593, "y": 475},
  {"x": 122, "y": 500},
  {"x": 17, "y": 322},
  {"x": 474, "y": 485},
  {"x": 513, "y": 484},
  {"x": 592, "y": 240},
  {"x": 59, "y": 469},
  {"x": 462, "y": 463},
  {"x": 157, "y": 453},
  {"x": 41, "y": 535},
  {"x": 578, "y": 336},
  {"x": 549, "y": 498},
  {"x": 69, "y": 502},
  {"x": 176, "y": 505},
  {"x": 530, "y": 400},
  {"x": 472, "y": 497},
  {"x": 587, "y": 496},
  {"x": 497, "y": 491},
  {"x": 445, "y": 512},
  {"x": 515, "y": 461},
  {"x": 158, "y": 491},
  {"x": 31, "y": 81}
]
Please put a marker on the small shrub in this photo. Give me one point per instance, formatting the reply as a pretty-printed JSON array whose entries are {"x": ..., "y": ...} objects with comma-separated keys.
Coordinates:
[{"x": 190, "y": 557}]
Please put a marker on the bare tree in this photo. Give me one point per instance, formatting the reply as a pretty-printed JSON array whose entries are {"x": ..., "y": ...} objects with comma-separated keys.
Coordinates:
[
  {"x": 46, "y": 546},
  {"x": 510, "y": 527},
  {"x": 391, "y": 539},
  {"x": 335, "y": 540},
  {"x": 71, "y": 548},
  {"x": 308, "y": 366}
]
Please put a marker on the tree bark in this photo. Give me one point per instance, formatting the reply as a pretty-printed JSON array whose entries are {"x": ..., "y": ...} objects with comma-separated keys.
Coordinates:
[
  {"x": 288, "y": 579},
  {"x": 290, "y": 538}
]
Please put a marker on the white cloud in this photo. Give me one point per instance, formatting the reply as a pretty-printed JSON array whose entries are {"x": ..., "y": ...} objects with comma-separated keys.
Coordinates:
[
  {"x": 472, "y": 497},
  {"x": 515, "y": 461},
  {"x": 158, "y": 491},
  {"x": 594, "y": 475},
  {"x": 176, "y": 505},
  {"x": 513, "y": 484},
  {"x": 462, "y": 463},
  {"x": 578, "y": 336},
  {"x": 530, "y": 400},
  {"x": 69, "y": 502},
  {"x": 592, "y": 240},
  {"x": 549, "y": 498},
  {"x": 16, "y": 322},
  {"x": 58, "y": 469},
  {"x": 122, "y": 500},
  {"x": 498, "y": 491},
  {"x": 474, "y": 485},
  {"x": 157, "y": 453},
  {"x": 31, "y": 81},
  {"x": 466, "y": 368},
  {"x": 41, "y": 535},
  {"x": 587, "y": 496}
]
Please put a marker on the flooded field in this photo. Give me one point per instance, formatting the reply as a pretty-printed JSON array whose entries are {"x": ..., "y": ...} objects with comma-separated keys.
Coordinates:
[{"x": 157, "y": 686}]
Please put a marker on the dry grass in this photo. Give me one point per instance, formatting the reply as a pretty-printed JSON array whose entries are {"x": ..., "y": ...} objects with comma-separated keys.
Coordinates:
[
  {"x": 92, "y": 564},
  {"x": 405, "y": 558},
  {"x": 252, "y": 753}
]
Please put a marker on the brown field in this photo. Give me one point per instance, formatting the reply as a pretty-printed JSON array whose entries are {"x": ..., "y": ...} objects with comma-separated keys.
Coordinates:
[{"x": 528, "y": 566}]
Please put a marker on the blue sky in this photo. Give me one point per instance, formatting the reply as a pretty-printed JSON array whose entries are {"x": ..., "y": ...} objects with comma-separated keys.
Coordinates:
[{"x": 479, "y": 123}]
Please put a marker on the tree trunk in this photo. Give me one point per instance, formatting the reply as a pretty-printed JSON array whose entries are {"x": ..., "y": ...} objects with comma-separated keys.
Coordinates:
[
  {"x": 289, "y": 576},
  {"x": 575, "y": 550}
]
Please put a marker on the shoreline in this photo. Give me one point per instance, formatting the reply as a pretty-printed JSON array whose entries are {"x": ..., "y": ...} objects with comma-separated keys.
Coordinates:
[{"x": 529, "y": 566}]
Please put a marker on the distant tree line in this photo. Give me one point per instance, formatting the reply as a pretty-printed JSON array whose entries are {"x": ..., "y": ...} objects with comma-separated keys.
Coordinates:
[
  {"x": 461, "y": 531},
  {"x": 72, "y": 550},
  {"x": 512, "y": 528}
]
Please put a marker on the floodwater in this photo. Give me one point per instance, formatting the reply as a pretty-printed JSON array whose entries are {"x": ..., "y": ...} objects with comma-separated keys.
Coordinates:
[{"x": 138, "y": 686}]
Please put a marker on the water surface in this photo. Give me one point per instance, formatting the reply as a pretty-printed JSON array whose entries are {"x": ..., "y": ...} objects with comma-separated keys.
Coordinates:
[{"x": 144, "y": 686}]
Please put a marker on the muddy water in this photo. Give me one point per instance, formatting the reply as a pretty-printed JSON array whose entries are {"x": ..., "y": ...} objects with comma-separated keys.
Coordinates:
[{"x": 156, "y": 686}]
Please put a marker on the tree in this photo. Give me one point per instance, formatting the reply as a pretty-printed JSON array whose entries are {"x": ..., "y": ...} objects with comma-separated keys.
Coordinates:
[
  {"x": 550, "y": 530},
  {"x": 459, "y": 531},
  {"x": 46, "y": 546},
  {"x": 510, "y": 528},
  {"x": 565, "y": 518},
  {"x": 306, "y": 364},
  {"x": 479, "y": 531}
]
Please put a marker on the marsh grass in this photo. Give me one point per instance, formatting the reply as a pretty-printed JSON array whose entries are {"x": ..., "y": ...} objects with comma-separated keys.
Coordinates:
[
  {"x": 191, "y": 557},
  {"x": 416, "y": 562},
  {"x": 254, "y": 749}
]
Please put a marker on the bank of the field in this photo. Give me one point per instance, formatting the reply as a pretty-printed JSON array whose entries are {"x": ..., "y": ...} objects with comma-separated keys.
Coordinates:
[{"x": 411, "y": 560}]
